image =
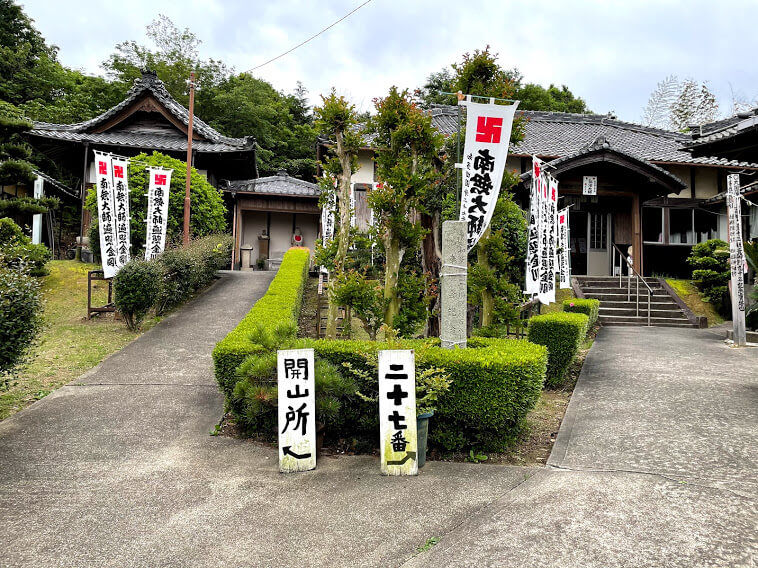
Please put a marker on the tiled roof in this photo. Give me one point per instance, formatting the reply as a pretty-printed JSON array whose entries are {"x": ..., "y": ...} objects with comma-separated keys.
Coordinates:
[
  {"x": 602, "y": 145},
  {"x": 55, "y": 183},
  {"x": 148, "y": 83},
  {"x": 279, "y": 184},
  {"x": 747, "y": 189},
  {"x": 723, "y": 129}
]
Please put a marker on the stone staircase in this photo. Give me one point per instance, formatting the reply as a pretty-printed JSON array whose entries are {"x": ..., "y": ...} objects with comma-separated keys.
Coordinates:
[{"x": 617, "y": 307}]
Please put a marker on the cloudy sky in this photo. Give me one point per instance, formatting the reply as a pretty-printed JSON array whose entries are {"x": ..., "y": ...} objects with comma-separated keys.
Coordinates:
[{"x": 611, "y": 53}]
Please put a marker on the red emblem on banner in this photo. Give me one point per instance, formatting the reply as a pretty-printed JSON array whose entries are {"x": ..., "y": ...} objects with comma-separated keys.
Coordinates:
[
  {"x": 488, "y": 129},
  {"x": 160, "y": 179},
  {"x": 102, "y": 168},
  {"x": 118, "y": 171},
  {"x": 563, "y": 219},
  {"x": 552, "y": 195}
]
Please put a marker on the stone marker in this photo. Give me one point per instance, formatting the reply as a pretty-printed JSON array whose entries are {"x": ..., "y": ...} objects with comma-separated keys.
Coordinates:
[
  {"x": 398, "y": 438},
  {"x": 736, "y": 259},
  {"x": 453, "y": 277},
  {"x": 297, "y": 410}
]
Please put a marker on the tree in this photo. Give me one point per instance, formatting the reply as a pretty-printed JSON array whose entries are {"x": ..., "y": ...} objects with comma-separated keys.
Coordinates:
[
  {"x": 336, "y": 120},
  {"x": 208, "y": 211},
  {"x": 657, "y": 112},
  {"x": 677, "y": 105},
  {"x": 407, "y": 146}
]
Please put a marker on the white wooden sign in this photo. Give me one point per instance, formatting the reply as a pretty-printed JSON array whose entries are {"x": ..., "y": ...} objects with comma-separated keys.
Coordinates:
[
  {"x": 397, "y": 412},
  {"x": 589, "y": 185},
  {"x": 297, "y": 410},
  {"x": 736, "y": 257}
]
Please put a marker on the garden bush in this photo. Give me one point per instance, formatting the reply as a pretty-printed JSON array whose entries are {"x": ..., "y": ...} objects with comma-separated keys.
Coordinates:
[
  {"x": 16, "y": 249},
  {"x": 588, "y": 307},
  {"x": 494, "y": 384},
  {"x": 279, "y": 305},
  {"x": 711, "y": 273},
  {"x": 136, "y": 287},
  {"x": 562, "y": 333},
  {"x": 20, "y": 318}
]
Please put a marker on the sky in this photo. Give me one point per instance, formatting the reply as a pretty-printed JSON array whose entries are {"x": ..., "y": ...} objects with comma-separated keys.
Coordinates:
[{"x": 611, "y": 53}]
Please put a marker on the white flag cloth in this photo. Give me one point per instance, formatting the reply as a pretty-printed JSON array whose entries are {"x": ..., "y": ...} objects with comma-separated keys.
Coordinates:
[
  {"x": 533, "y": 234},
  {"x": 157, "y": 211},
  {"x": 121, "y": 203},
  {"x": 488, "y": 130},
  {"x": 548, "y": 238},
  {"x": 564, "y": 251},
  {"x": 106, "y": 214}
]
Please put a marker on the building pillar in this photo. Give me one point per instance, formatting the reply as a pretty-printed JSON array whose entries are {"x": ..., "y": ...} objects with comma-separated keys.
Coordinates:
[
  {"x": 453, "y": 282},
  {"x": 637, "y": 234}
]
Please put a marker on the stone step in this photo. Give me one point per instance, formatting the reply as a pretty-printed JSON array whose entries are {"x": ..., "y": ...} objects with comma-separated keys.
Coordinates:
[
  {"x": 644, "y": 323},
  {"x": 616, "y": 290},
  {"x": 642, "y": 320},
  {"x": 662, "y": 297},
  {"x": 674, "y": 312},
  {"x": 583, "y": 280}
]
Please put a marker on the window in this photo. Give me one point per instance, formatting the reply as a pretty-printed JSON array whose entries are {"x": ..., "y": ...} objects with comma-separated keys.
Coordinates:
[
  {"x": 652, "y": 224},
  {"x": 598, "y": 230},
  {"x": 706, "y": 225},
  {"x": 680, "y": 227}
]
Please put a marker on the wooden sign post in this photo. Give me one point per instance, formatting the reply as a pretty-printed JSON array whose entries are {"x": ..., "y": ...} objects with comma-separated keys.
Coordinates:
[
  {"x": 397, "y": 412},
  {"x": 297, "y": 410},
  {"x": 736, "y": 259}
]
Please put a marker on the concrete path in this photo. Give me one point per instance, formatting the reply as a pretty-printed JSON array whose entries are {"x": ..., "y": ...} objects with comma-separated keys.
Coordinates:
[{"x": 656, "y": 464}]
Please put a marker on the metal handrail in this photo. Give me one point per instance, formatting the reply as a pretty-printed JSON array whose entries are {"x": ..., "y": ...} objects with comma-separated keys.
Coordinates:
[{"x": 637, "y": 279}]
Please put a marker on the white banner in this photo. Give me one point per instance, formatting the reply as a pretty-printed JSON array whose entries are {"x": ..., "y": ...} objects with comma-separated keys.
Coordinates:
[
  {"x": 121, "y": 203},
  {"x": 564, "y": 251},
  {"x": 736, "y": 257},
  {"x": 106, "y": 214},
  {"x": 548, "y": 238},
  {"x": 157, "y": 211},
  {"x": 397, "y": 412},
  {"x": 297, "y": 410},
  {"x": 533, "y": 235},
  {"x": 488, "y": 131}
]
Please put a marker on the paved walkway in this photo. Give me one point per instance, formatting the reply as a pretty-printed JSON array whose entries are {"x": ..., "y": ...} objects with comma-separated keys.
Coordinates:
[{"x": 654, "y": 466}]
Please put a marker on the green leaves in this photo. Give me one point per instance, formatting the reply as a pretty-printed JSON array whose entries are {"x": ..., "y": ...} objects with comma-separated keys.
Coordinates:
[{"x": 562, "y": 333}]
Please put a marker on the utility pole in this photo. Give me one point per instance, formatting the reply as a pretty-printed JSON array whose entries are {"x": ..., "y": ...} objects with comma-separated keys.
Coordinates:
[{"x": 189, "y": 160}]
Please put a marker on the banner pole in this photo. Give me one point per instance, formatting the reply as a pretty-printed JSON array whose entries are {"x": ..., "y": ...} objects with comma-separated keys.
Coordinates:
[
  {"x": 189, "y": 160},
  {"x": 459, "y": 172}
]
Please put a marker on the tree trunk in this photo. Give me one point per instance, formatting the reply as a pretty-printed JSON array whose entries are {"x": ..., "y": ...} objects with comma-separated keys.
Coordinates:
[
  {"x": 430, "y": 262},
  {"x": 394, "y": 256},
  {"x": 488, "y": 300},
  {"x": 343, "y": 235}
]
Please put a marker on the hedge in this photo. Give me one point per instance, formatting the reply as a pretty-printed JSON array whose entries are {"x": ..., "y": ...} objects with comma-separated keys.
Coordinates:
[
  {"x": 588, "y": 307},
  {"x": 279, "y": 305},
  {"x": 495, "y": 383},
  {"x": 562, "y": 333}
]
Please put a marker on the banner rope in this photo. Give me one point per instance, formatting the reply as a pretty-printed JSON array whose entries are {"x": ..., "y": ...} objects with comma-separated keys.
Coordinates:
[{"x": 465, "y": 268}]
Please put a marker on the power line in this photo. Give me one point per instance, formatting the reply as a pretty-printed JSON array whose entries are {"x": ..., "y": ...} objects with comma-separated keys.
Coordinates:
[{"x": 310, "y": 38}]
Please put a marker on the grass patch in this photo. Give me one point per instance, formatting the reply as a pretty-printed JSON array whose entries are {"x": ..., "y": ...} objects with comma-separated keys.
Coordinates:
[
  {"x": 70, "y": 344},
  {"x": 689, "y": 293},
  {"x": 560, "y": 295}
]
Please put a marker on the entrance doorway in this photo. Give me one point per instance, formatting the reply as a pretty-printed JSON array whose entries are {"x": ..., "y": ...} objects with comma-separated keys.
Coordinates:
[{"x": 590, "y": 243}]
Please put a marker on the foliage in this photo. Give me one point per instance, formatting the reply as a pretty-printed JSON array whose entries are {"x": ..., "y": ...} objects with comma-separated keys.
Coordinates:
[
  {"x": 280, "y": 305},
  {"x": 492, "y": 388},
  {"x": 413, "y": 291},
  {"x": 431, "y": 384},
  {"x": 406, "y": 149},
  {"x": 186, "y": 270},
  {"x": 475, "y": 456},
  {"x": 363, "y": 296},
  {"x": 208, "y": 210},
  {"x": 677, "y": 105},
  {"x": 562, "y": 333},
  {"x": 18, "y": 252},
  {"x": 27, "y": 205},
  {"x": 135, "y": 288},
  {"x": 14, "y": 153},
  {"x": 20, "y": 318},
  {"x": 711, "y": 273},
  {"x": 480, "y": 74},
  {"x": 588, "y": 307}
]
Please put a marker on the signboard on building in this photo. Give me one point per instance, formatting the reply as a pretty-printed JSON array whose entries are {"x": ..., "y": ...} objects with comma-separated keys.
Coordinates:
[
  {"x": 488, "y": 132},
  {"x": 736, "y": 257},
  {"x": 297, "y": 410},
  {"x": 589, "y": 185},
  {"x": 397, "y": 412}
]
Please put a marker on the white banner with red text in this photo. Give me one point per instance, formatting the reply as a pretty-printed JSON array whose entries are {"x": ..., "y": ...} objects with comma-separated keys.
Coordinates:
[
  {"x": 157, "y": 210},
  {"x": 106, "y": 214}
]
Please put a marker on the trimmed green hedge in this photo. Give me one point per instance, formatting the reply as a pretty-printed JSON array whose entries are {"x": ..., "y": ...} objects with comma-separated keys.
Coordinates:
[
  {"x": 280, "y": 305},
  {"x": 495, "y": 383},
  {"x": 562, "y": 333},
  {"x": 588, "y": 307}
]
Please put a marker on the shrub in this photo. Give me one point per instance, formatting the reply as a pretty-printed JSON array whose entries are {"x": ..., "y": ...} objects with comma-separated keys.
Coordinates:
[
  {"x": 494, "y": 384},
  {"x": 562, "y": 334},
  {"x": 279, "y": 305},
  {"x": 20, "y": 318},
  {"x": 136, "y": 287},
  {"x": 16, "y": 249},
  {"x": 588, "y": 307},
  {"x": 711, "y": 273}
]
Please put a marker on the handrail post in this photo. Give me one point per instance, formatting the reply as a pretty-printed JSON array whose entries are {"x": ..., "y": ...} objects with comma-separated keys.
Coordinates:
[
  {"x": 638, "y": 296},
  {"x": 620, "y": 270},
  {"x": 649, "y": 300},
  {"x": 629, "y": 287}
]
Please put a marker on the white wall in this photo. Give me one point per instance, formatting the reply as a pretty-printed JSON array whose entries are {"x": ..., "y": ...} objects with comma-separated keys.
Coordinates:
[{"x": 365, "y": 172}]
